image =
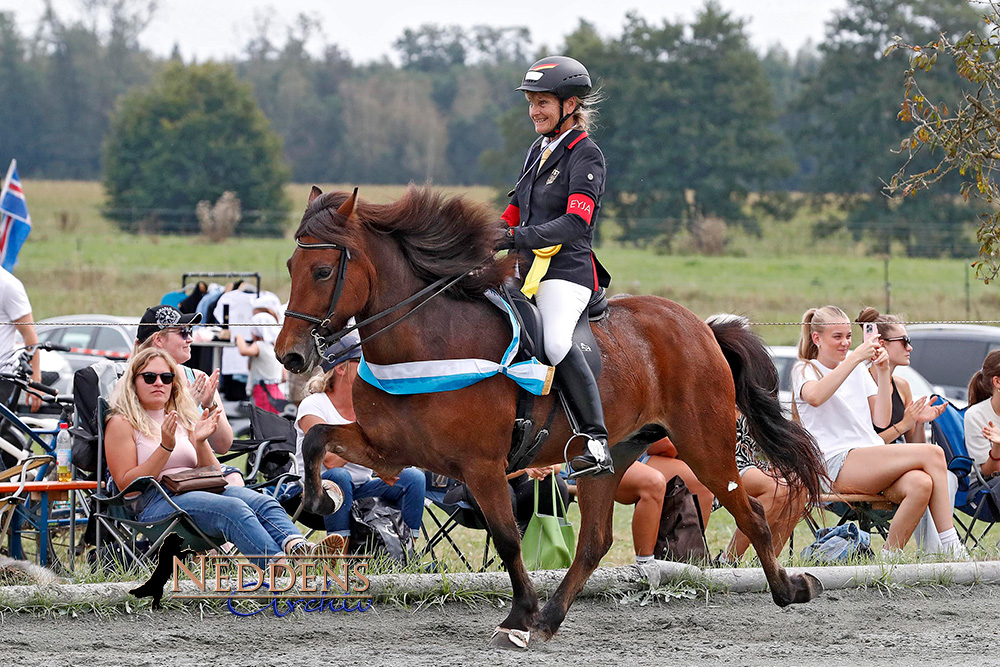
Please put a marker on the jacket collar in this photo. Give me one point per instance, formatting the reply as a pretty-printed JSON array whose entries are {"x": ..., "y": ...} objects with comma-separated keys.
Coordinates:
[{"x": 566, "y": 143}]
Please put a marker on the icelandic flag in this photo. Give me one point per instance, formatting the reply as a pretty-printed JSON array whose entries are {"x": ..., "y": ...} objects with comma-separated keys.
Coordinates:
[{"x": 15, "y": 222}]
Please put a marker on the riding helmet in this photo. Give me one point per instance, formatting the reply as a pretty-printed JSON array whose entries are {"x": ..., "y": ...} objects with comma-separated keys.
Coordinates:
[{"x": 562, "y": 76}]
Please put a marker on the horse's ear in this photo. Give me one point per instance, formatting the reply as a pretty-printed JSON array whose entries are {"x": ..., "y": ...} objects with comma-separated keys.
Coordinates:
[
  {"x": 348, "y": 206},
  {"x": 315, "y": 192}
]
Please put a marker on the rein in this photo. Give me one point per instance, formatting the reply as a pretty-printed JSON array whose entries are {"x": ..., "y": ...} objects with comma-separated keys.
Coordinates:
[{"x": 323, "y": 342}]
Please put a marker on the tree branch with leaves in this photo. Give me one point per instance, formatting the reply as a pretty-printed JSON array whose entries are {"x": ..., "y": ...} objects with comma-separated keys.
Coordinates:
[{"x": 963, "y": 137}]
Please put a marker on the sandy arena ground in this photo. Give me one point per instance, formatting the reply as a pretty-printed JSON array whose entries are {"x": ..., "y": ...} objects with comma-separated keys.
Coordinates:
[{"x": 902, "y": 626}]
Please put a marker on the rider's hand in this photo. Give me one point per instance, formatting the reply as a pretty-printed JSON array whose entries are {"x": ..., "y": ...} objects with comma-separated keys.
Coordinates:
[{"x": 506, "y": 241}]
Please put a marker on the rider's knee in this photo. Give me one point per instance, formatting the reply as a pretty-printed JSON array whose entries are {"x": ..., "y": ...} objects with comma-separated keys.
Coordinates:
[{"x": 556, "y": 348}]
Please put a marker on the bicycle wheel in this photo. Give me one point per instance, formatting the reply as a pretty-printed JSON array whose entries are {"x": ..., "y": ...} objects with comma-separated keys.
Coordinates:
[{"x": 56, "y": 552}]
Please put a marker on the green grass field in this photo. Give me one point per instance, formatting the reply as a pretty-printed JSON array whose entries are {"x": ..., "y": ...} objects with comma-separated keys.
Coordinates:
[{"x": 75, "y": 261}]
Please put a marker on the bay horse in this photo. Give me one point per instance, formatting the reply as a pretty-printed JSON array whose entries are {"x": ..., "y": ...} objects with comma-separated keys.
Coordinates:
[{"x": 665, "y": 371}]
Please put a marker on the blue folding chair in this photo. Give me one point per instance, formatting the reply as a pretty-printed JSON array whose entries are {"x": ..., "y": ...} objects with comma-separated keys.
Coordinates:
[{"x": 949, "y": 433}]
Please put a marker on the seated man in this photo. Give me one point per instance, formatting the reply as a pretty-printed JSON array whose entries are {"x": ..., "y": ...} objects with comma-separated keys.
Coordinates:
[{"x": 330, "y": 402}]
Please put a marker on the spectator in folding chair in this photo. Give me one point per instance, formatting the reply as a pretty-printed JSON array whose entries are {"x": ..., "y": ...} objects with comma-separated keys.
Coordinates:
[
  {"x": 909, "y": 416},
  {"x": 331, "y": 402},
  {"x": 982, "y": 426},
  {"x": 168, "y": 329},
  {"x": 838, "y": 401},
  {"x": 156, "y": 428}
]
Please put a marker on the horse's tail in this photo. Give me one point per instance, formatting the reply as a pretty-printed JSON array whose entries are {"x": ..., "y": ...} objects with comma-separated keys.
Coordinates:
[{"x": 788, "y": 446}]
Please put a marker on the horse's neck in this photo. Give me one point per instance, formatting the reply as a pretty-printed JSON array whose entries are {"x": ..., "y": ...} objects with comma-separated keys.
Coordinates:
[{"x": 443, "y": 328}]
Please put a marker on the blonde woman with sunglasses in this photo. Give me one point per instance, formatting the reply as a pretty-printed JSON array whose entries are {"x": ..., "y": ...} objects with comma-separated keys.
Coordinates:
[{"x": 156, "y": 428}]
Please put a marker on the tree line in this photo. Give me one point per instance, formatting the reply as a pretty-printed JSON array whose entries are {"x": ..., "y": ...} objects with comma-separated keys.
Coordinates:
[{"x": 696, "y": 126}]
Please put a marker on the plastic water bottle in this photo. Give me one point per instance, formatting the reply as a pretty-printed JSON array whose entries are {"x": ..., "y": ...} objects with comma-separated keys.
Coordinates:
[{"x": 64, "y": 448}]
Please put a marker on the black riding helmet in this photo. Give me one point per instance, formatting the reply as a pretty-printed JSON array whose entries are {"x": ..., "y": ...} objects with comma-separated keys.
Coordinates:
[
  {"x": 562, "y": 76},
  {"x": 559, "y": 75}
]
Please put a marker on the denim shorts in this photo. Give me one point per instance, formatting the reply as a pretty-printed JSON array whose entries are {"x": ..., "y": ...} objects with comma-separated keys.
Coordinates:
[{"x": 833, "y": 467}]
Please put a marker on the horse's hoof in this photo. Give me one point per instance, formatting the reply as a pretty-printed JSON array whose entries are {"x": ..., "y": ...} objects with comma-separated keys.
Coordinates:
[
  {"x": 805, "y": 587},
  {"x": 515, "y": 640}
]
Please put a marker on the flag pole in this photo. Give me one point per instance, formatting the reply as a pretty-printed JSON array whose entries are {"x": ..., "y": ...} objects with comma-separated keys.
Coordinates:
[{"x": 6, "y": 179}]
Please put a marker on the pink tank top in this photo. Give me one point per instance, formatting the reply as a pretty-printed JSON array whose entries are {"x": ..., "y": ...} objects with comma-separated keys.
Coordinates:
[{"x": 184, "y": 456}]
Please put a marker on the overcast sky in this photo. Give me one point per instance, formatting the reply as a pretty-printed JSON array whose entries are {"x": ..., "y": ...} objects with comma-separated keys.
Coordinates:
[{"x": 220, "y": 28}]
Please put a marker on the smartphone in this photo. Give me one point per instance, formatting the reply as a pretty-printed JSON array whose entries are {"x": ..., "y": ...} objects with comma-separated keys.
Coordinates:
[{"x": 870, "y": 329}]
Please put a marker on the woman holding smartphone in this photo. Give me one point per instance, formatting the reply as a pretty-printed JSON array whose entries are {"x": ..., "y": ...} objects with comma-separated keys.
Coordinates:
[{"x": 838, "y": 400}]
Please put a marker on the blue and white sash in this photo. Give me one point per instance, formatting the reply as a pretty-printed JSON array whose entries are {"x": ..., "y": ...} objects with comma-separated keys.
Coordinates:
[{"x": 424, "y": 377}]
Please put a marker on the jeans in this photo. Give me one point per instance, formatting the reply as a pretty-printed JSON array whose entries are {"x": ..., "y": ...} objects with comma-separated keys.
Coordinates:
[
  {"x": 407, "y": 493},
  {"x": 255, "y": 523}
]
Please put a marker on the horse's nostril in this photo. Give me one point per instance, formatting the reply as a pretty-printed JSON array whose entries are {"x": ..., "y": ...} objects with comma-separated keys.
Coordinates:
[{"x": 293, "y": 362}]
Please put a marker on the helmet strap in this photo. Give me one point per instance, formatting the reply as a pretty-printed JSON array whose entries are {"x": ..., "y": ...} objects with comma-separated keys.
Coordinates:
[{"x": 562, "y": 119}]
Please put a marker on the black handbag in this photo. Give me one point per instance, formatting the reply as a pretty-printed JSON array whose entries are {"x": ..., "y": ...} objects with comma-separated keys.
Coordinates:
[{"x": 681, "y": 537}]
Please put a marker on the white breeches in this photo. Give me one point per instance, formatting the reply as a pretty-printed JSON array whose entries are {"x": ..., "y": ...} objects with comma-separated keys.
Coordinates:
[{"x": 561, "y": 304}]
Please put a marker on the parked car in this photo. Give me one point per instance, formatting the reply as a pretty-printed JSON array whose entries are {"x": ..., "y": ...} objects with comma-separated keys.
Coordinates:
[
  {"x": 90, "y": 338},
  {"x": 948, "y": 355},
  {"x": 785, "y": 356}
]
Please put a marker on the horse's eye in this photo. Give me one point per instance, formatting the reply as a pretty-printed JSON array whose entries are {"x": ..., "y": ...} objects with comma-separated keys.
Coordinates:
[{"x": 322, "y": 273}]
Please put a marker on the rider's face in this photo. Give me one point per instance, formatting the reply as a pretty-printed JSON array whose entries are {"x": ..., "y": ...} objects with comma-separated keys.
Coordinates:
[{"x": 544, "y": 111}]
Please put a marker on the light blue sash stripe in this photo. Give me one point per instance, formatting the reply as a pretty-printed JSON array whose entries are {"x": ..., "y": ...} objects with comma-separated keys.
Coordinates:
[{"x": 423, "y": 377}]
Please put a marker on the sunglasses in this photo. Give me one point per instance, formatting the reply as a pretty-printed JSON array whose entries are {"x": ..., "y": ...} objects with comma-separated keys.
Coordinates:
[
  {"x": 184, "y": 332},
  {"x": 905, "y": 339},
  {"x": 150, "y": 377}
]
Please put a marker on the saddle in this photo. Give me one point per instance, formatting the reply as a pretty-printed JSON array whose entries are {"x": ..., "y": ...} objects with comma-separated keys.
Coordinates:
[
  {"x": 525, "y": 442},
  {"x": 530, "y": 319}
]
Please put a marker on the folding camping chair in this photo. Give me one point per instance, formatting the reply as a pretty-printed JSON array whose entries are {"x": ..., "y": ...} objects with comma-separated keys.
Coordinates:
[
  {"x": 118, "y": 536},
  {"x": 460, "y": 509},
  {"x": 949, "y": 433},
  {"x": 270, "y": 452}
]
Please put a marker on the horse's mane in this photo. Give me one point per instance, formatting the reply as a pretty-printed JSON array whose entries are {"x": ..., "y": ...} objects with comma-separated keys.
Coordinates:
[{"x": 439, "y": 236}]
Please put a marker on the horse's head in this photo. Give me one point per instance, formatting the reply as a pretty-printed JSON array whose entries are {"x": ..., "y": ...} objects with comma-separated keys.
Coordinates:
[{"x": 330, "y": 284}]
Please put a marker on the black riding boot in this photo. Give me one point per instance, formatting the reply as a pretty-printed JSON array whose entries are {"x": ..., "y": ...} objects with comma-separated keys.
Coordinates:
[{"x": 577, "y": 383}]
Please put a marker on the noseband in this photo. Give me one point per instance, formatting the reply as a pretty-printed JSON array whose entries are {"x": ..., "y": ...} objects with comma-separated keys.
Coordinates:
[{"x": 319, "y": 325}]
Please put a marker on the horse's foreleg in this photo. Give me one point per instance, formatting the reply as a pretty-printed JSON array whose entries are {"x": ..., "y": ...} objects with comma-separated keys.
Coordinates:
[
  {"x": 345, "y": 440},
  {"x": 491, "y": 491},
  {"x": 596, "y": 496}
]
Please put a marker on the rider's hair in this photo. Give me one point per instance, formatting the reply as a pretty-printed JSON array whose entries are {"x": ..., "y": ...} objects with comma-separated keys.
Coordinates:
[
  {"x": 125, "y": 401},
  {"x": 587, "y": 113},
  {"x": 981, "y": 384},
  {"x": 814, "y": 321},
  {"x": 887, "y": 324}
]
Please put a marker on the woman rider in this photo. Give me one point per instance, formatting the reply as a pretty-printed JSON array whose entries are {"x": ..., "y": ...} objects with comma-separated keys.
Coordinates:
[{"x": 551, "y": 218}]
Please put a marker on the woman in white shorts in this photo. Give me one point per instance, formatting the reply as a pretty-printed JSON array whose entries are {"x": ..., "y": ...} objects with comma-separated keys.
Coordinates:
[{"x": 837, "y": 401}]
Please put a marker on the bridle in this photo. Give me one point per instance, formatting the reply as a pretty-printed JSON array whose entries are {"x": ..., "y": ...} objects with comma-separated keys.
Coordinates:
[{"x": 324, "y": 341}]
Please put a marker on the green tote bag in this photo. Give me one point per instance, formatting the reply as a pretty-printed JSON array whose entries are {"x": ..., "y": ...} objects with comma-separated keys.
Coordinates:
[{"x": 549, "y": 542}]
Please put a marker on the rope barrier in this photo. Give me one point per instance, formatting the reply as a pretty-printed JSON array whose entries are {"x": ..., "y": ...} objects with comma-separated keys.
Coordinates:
[{"x": 256, "y": 324}]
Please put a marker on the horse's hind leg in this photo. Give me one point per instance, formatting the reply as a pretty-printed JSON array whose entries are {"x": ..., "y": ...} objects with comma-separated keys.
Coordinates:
[
  {"x": 490, "y": 489},
  {"x": 715, "y": 466}
]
